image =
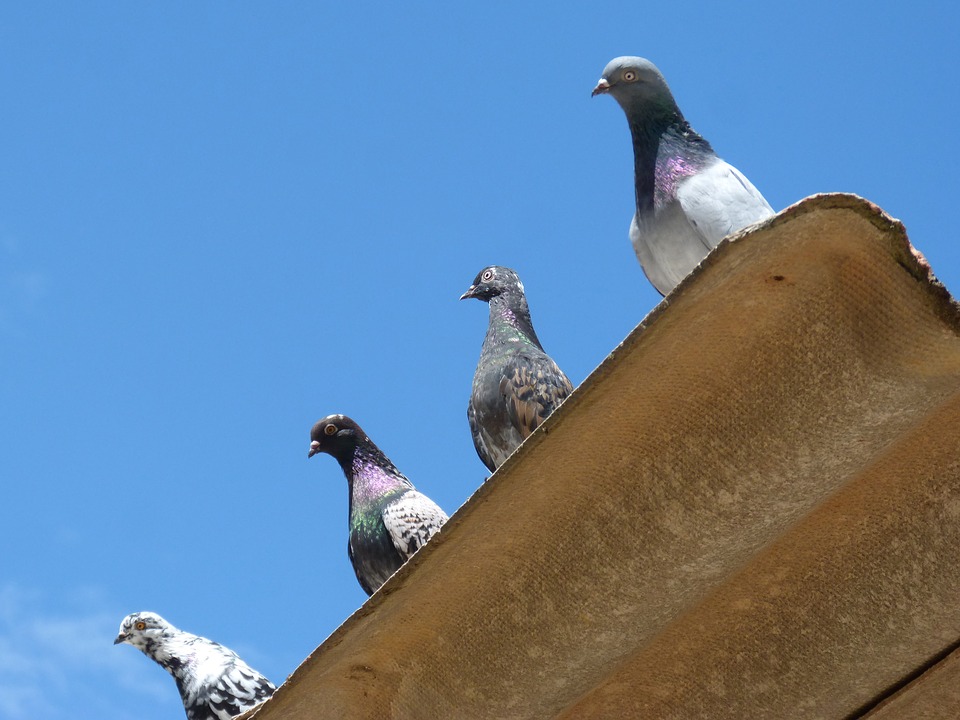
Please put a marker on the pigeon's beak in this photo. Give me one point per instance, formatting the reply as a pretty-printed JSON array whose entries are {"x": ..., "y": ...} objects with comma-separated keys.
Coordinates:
[
  {"x": 120, "y": 638},
  {"x": 314, "y": 449},
  {"x": 471, "y": 292},
  {"x": 602, "y": 87}
]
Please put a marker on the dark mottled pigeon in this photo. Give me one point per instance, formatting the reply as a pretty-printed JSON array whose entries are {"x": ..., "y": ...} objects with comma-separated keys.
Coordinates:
[
  {"x": 688, "y": 199},
  {"x": 214, "y": 683},
  {"x": 516, "y": 385},
  {"x": 389, "y": 519}
]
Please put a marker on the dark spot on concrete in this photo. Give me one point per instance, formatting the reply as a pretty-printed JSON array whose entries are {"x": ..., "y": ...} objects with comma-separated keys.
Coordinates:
[{"x": 362, "y": 672}]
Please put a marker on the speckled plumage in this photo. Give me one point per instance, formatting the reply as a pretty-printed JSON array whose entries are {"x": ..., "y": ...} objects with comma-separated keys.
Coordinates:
[
  {"x": 688, "y": 199},
  {"x": 389, "y": 519},
  {"x": 516, "y": 384},
  {"x": 214, "y": 683}
]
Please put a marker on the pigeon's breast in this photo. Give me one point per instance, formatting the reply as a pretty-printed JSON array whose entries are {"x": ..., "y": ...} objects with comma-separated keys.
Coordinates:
[
  {"x": 489, "y": 405},
  {"x": 375, "y": 558},
  {"x": 667, "y": 246}
]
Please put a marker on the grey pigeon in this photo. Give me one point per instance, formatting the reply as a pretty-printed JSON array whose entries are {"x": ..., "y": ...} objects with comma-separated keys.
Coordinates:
[
  {"x": 214, "y": 683},
  {"x": 688, "y": 199},
  {"x": 389, "y": 519},
  {"x": 516, "y": 384}
]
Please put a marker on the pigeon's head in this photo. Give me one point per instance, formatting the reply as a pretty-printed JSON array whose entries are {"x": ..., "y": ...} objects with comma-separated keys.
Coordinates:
[
  {"x": 336, "y": 435},
  {"x": 635, "y": 83},
  {"x": 495, "y": 281},
  {"x": 143, "y": 630}
]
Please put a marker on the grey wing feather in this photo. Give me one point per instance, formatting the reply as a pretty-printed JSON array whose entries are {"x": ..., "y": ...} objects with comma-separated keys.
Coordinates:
[
  {"x": 411, "y": 520},
  {"x": 720, "y": 200}
]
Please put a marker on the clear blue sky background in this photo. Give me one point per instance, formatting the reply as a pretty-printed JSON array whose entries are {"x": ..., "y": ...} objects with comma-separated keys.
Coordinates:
[{"x": 222, "y": 221}]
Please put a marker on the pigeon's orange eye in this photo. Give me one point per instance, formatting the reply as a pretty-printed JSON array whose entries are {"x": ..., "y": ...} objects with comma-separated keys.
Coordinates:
[
  {"x": 330, "y": 429},
  {"x": 488, "y": 275},
  {"x": 141, "y": 625},
  {"x": 630, "y": 75}
]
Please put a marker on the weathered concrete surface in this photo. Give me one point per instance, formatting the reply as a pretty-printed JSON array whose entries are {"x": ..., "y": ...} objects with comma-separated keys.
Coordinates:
[{"x": 750, "y": 509}]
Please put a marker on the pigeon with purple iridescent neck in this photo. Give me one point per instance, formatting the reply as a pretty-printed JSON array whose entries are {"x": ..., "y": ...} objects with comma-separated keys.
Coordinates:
[
  {"x": 516, "y": 384},
  {"x": 214, "y": 683},
  {"x": 389, "y": 519},
  {"x": 688, "y": 199}
]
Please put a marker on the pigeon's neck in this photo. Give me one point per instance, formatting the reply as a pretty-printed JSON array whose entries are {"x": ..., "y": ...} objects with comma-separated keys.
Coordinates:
[
  {"x": 372, "y": 476},
  {"x": 174, "y": 651},
  {"x": 195, "y": 664},
  {"x": 510, "y": 322},
  {"x": 666, "y": 150}
]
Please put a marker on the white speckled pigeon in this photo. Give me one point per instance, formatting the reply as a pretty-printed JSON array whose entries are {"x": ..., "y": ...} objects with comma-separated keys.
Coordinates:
[
  {"x": 688, "y": 199},
  {"x": 214, "y": 683},
  {"x": 516, "y": 384},
  {"x": 389, "y": 519}
]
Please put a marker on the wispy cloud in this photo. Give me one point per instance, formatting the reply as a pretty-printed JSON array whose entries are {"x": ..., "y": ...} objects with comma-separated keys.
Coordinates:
[{"x": 56, "y": 664}]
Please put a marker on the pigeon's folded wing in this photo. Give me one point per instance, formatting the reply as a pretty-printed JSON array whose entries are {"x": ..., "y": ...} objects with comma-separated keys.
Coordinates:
[
  {"x": 719, "y": 200},
  {"x": 237, "y": 689},
  {"x": 411, "y": 520},
  {"x": 533, "y": 387}
]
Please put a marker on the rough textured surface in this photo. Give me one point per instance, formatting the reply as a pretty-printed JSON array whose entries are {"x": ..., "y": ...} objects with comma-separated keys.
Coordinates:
[{"x": 751, "y": 509}]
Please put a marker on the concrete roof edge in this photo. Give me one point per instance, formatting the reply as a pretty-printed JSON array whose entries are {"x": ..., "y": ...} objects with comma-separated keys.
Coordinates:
[{"x": 907, "y": 257}]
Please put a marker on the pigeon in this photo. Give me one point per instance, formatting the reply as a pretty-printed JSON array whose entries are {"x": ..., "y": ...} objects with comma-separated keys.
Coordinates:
[
  {"x": 688, "y": 199},
  {"x": 214, "y": 683},
  {"x": 389, "y": 519},
  {"x": 516, "y": 384}
]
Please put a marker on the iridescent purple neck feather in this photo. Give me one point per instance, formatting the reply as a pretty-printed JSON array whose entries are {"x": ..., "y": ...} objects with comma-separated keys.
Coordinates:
[
  {"x": 371, "y": 475},
  {"x": 510, "y": 320},
  {"x": 664, "y": 155}
]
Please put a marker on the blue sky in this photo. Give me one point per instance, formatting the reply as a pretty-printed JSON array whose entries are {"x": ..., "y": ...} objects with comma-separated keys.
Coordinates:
[{"x": 221, "y": 221}]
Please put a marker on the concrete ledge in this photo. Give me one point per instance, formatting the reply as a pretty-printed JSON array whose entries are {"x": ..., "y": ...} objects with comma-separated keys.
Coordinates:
[{"x": 750, "y": 509}]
